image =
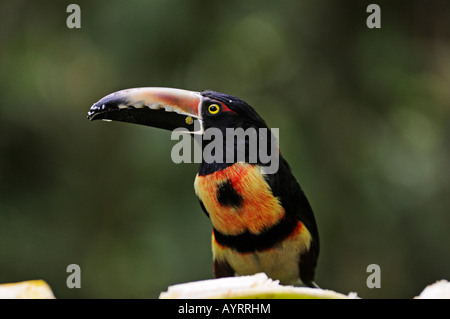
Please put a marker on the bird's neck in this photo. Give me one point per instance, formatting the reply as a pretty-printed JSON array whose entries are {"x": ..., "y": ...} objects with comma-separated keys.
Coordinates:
[{"x": 222, "y": 148}]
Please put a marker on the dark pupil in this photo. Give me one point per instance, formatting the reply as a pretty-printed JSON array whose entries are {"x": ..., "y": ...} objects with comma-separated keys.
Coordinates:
[{"x": 213, "y": 108}]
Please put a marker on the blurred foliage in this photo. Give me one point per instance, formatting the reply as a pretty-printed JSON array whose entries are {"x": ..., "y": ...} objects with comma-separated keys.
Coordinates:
[{"x": 364, "y": 118}]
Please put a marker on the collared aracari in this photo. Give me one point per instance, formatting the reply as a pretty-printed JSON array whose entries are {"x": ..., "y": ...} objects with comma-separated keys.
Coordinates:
[{"x": 261, "y": 222}]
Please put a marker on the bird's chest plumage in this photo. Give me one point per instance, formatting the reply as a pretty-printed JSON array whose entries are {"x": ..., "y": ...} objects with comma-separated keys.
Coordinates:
[{"x": 238, "y": 199}]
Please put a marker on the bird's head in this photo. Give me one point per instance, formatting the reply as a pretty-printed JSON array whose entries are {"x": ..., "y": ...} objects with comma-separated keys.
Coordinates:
[
  {"x": 172, "y": 109},
  {"x": 225, "y": 111}
]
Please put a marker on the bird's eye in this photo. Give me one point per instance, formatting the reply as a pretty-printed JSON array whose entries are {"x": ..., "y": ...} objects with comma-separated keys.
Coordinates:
[{"x": 213, "y": 109}]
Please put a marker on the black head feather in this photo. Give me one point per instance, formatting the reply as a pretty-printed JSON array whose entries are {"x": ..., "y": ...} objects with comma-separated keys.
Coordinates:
[{"x": 246, "y": 115}]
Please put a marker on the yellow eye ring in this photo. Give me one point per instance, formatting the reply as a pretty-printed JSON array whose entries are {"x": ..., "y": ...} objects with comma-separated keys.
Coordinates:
[{"x": 213, "y": 109}]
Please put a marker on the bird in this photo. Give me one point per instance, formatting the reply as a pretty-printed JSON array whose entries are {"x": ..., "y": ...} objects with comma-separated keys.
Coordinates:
[{"x": 261, "y": 221}]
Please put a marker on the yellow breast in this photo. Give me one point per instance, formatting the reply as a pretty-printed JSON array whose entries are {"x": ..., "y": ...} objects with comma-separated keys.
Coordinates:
[{"x": 281, "y": 262}]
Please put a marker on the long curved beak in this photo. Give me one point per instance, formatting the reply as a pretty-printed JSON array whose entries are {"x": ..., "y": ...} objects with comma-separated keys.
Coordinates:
[{"x": 164, "y": 108}]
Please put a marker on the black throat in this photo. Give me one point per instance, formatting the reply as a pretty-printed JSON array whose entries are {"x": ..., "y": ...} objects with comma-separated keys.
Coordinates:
[{"x": 251, "y": 145}]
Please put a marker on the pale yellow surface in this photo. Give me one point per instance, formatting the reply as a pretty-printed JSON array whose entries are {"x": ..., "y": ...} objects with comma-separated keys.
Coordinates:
[{"x": 32, "y": 289}]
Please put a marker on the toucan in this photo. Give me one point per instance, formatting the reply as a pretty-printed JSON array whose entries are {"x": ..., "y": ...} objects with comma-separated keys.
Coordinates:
[{"x": 261, "y": 221}]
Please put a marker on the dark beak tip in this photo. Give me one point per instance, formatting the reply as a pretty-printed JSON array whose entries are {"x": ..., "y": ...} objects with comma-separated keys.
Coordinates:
[
  {"x": 91, "y": 115},
  {"x": 97, "y": 109}
]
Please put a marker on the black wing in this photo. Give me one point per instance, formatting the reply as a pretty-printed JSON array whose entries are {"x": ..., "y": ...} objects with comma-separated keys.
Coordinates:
[{"x": 285, "y": 186}]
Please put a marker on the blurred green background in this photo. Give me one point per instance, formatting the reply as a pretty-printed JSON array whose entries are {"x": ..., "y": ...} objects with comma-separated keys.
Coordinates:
[{"x": 364, "y": 118}]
